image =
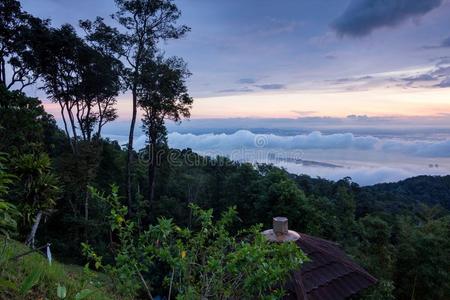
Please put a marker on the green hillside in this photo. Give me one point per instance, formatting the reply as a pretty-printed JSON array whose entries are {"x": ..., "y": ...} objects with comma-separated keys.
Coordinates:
[{"x": 31, "y": 277}]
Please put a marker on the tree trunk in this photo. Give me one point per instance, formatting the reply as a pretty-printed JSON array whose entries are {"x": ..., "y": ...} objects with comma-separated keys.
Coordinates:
[
  {"x": 73, "y": 126},
  {"x": 151, "y": 166},
  {"x": 32, "y": 235},
  {"x": 65, "y": 127},
  {"x": 130, "y": 150},
  {"x": 3, "y": 72}
]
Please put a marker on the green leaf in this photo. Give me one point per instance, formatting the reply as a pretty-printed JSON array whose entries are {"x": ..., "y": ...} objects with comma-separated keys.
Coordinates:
[
  {"x": 83, "y": 294},
  {"x": 8, "y": 284},
  {"x": 61, "y": 291},
  {"x": 30, "y": 281}
]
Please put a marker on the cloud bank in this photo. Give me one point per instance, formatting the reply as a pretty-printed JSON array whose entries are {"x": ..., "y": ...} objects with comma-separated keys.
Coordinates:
[
  {"x": 366, "y": 159},
  {"x": 247, "y": 139},
  {"x": 315, "y": 140},
  {"x": 363, "y": 16}
]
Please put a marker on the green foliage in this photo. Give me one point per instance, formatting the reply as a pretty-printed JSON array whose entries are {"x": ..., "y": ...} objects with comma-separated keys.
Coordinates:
[
  {"x": 30, "y": 281},
  {"x": 25, "y": 126},
  {"x": 340, "y": 211},
  {"x": 212, "y": 263},
  {"x": 8, "y": 212},
  {"x": 31, "y": 277},
  {"x": 207, "y": 261},
  {"x": 423, "y": 259},
  {"x": 408, "y": 194},
  {"x": 37, "y": 188}
]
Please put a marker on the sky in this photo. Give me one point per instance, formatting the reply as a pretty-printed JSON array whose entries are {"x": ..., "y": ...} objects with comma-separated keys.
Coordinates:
[
  {"x": 290, "y": 58},
  {"x": 362, "y": 84}
]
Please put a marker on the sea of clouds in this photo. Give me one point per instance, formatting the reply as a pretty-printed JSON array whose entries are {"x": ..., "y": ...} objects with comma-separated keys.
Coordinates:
[
  {"x": 366, "y": 159},
  {"x": 314, "y": 140}
]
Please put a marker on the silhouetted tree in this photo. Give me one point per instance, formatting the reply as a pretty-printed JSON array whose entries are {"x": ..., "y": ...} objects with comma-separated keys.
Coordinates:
[
  {"x": 20, "y": 34},
  {"x": 162, "y": 94},
  {"x": 145, "y": 22},
  {"x": 82, "y": 80}
]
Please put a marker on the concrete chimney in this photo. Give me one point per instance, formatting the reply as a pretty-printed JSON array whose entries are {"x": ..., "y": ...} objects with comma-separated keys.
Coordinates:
[
  {"x": 280, "y": 232},
  {"x": 280, "y": 225}
]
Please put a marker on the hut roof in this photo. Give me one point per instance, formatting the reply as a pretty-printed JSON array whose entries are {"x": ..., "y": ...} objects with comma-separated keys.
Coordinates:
[{"x": 329, "y": 275}]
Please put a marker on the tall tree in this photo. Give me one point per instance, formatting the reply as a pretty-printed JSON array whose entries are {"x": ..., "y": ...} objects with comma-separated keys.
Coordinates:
[
  {"x": 82, "y": 80},
  {"x": 104, "y": 79},
  {"x": 162, "y": 94},
  {"x": 96, "y": 91},
  {"x": 146, "y": 22},
  {"x": 57, "y": 67}
]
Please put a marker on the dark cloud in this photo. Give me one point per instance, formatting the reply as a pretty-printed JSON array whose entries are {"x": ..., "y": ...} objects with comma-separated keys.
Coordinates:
[
  {"x": 422, "y": 77},
  {"x": 440, "y": 75},
  {"x": 441, "y": 71},
  {"x": 352, "y": 79},
  {"x": 364, "y": 118},
  {"x": 363, "y": 16},
  {"x": 419, "y": 78},
  {"x": 444, "y": 83},
  {"x": 304, "y": 112},
  {"x": 330, "y": 56},
  {"x": 271, "y": 86},
  {"x": 247, "y": 81},
  {"x": 243, "y": 90},
  {"x": 444, "y": 44},
  {"x": 443, "y": 60}
]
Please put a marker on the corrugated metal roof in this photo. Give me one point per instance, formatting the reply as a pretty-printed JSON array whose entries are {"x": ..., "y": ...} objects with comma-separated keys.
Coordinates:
[{"x": 329, "y": 275}]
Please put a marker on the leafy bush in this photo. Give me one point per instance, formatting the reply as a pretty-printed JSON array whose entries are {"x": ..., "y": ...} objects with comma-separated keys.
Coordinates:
[{"x": 206, "y": 261}]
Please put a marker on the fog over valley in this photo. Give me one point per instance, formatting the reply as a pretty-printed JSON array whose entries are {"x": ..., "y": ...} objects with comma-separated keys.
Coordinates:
[{"x": 385, "y": 155}]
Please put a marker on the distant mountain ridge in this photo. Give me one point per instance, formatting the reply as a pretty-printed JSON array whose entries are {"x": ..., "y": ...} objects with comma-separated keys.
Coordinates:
[
  {"x": 393, "y": 197},
  {"x": 431, "y": 190}
]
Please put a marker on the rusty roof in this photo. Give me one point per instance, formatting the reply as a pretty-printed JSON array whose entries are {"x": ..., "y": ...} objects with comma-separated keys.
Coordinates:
[{"x": 329, "y": 275}]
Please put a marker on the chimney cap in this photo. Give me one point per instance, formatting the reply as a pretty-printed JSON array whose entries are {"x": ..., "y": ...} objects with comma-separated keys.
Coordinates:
[
  {"x": 280, "y": 231},
  {"x": 280, "y": 225}
]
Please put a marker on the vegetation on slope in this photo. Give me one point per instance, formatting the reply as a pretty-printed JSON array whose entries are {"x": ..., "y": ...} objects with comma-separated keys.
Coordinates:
[{"x": 32, "y": 277}]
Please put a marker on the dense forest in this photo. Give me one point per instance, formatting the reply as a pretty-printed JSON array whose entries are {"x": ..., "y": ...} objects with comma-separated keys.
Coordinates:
[{"x": 161, "y": 221}]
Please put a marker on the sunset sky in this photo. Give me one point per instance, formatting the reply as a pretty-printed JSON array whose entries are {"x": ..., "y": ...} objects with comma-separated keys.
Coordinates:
[
  {"x": 363, "y": 84},
  {"x": 272, "y": 59}
]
